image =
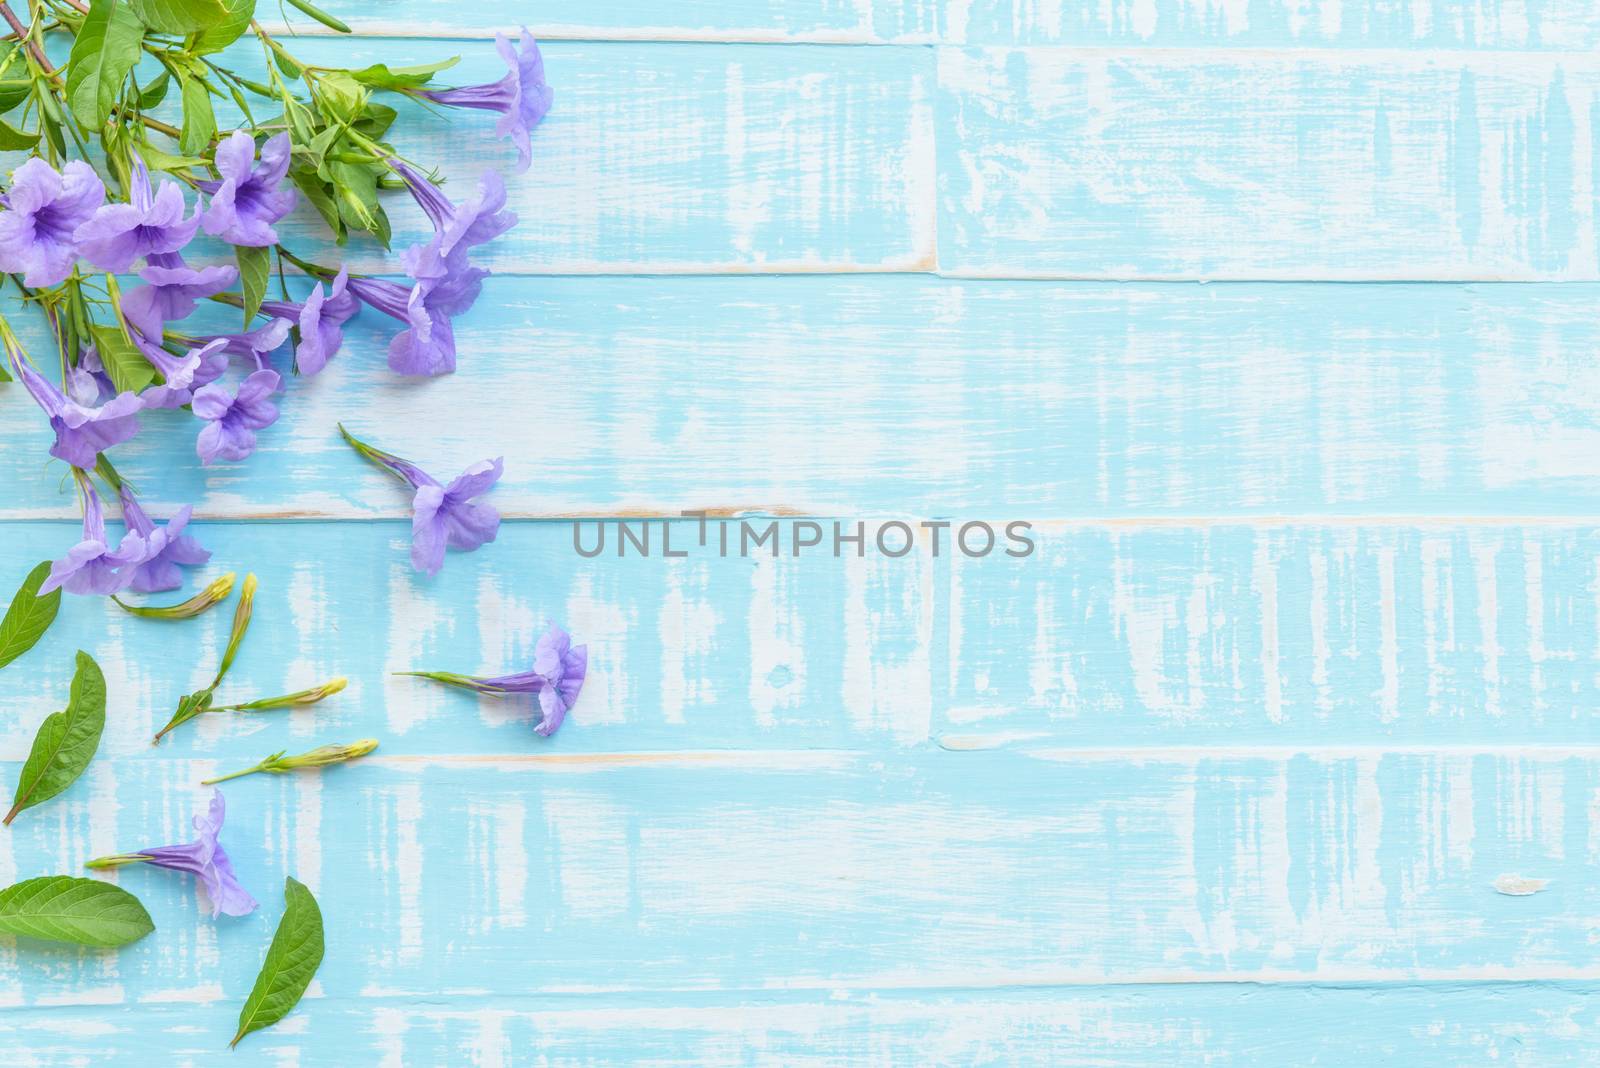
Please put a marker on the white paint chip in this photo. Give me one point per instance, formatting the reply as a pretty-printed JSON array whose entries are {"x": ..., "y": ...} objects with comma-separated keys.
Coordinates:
[{"x": 1519, "y": 885}]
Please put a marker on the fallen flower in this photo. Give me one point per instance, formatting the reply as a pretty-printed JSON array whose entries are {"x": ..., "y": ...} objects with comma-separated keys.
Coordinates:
[
  {"x": 557, "y": 677},
  {"x": 204, "y": 857},
  {"x": 441, "y": 515},
  {"x": 320, "y": 757}
]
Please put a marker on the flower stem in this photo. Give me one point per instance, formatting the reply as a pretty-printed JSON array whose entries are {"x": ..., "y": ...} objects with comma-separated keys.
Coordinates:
[
  {"x": 117, "y": 860},
  {"x": 234, "y": 774}
]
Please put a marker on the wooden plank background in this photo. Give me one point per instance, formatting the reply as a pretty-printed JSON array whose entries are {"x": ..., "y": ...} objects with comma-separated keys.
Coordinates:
[{"x": 1275, "y": 319}]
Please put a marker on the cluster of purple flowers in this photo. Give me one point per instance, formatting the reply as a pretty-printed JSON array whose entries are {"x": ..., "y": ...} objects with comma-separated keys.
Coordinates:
[{"x": 54, "y": 219}]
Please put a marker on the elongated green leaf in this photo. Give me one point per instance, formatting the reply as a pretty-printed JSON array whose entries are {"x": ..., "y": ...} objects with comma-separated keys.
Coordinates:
[
  {"x": 199, "y": 120},
  {"x": 29, "y": 615},
  {"x": 180, "y": 16},
  {"x": 383, "y": 76},
  {"x": 66, "y": 741},
  {"x": 105, "y": 50},
  {"x": 127, "y": 366},
  {"x": 15, "y": 140},
  {"x": 255, "y": 268},
  {"x": 235, "y": 20},
  {"x": 62, "y": 908},
  {"x": 292, "y": 960},
  {"x": 154, "y": 93}
]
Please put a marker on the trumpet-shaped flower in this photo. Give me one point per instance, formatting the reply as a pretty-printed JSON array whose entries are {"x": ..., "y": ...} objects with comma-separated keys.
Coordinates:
[
  {"x": 321, "y": 319},
  {"x": 92, "y": 566},
  {"x": 44, "y": 210},
  {"x": 233, "y": 419},
  {"x": 521, "y": 98},
  {"x": 247, "y": 200},
  {"x": 204, "y": 858},
  {"x": 441, "y": 515},
  {"x": 170, "y": 292},
  {"x": 83, "y": 431},
  {"x": 556, "y": 676},
  {"x": 149, "y": 224},
  {"x": 165, "y": 547}
]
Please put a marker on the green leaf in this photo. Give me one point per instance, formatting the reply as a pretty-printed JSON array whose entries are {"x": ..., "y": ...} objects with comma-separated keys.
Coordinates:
[
  {"x": 235, "y": 20},
  {"x": 66, "y": 740},
  {"x": 62, "y": 908},
  {"x": 181, "y": 16},
  {"x": 105, "y": 50},
  {"x": 292, "y": 960},
  {"x": 14, "y": 140},
  {"x": 130, "y": 371},
  {"x": 199, "y": 121},
  {"x": 29, "y": 615},
  {"x": 255, "y": 268},
  {"x": 13, "y": 91},
  {"x": 158, "y": 160},
  {"x": 153, "y": 94},
  {"x": 375, "y": 120},
  {"x": 317, "y": 191},
  {"x": 382, "y": 76}
]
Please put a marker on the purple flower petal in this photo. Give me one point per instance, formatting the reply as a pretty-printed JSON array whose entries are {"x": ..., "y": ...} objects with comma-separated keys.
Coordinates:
[{"x": 44, "y": 211}]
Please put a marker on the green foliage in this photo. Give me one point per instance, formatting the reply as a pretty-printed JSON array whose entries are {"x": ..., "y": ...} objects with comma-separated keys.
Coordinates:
[
  {"x": 62, "y": 908},
  {"x": 255, "y": 268},
  {"x": 127, "y": 366},
  {"x": 292, "y": 960},
  {"x": 66, "y": 741},
  {"x": 104, "y": 52},
  {"x": 29, "y": 615}
]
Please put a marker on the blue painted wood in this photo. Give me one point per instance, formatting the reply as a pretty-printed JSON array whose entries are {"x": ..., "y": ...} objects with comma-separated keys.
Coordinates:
[
  {"x": 1085, "y": 1027},
  {"x": 1231, "y": 789},
  {"x": 1535, "y": 25},
  {"x": 668, "y": 157},
  {"x": 1003, "y": 400},
  {"x": 824, "y": 21},
  {"x": 824, "y": 871},
  {"x": 1230, "y": 635},
  {"x": 1281, "y": 165}
]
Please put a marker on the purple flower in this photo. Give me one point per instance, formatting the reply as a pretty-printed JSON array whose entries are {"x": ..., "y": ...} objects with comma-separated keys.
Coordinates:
[
  {"x": 428, "y": 345},
  {"x": 457, "y": 228},
  {"x": 522, "y": 98},
  {"x": 204, "y": 857},
  {"x": 82, "y": 431},
  {"x": 442, "y": 515},
  {"x": 181, "y": 374},
  {"x": 118, "y": 234},
  {"x": 45, "y": 210},
  {"x": 165, "y": 548},
  {"x": 171, "y": 292},
  {"x": 232, "y": 420},
  {"x": 247, "y": 201},
  {"x": 92, "y": 566},
  {"x": 321, "y": 320},
  {"x": 557, "y": 677},
  {"x": 257, "y": 344}
]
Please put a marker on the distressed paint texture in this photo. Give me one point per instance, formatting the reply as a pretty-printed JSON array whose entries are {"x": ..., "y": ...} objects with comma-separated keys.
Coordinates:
[
  {"x": 1001, "y": 399},
  {"x": 1233, "y": 770},
  {"x": 1267, "y": 164}
]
